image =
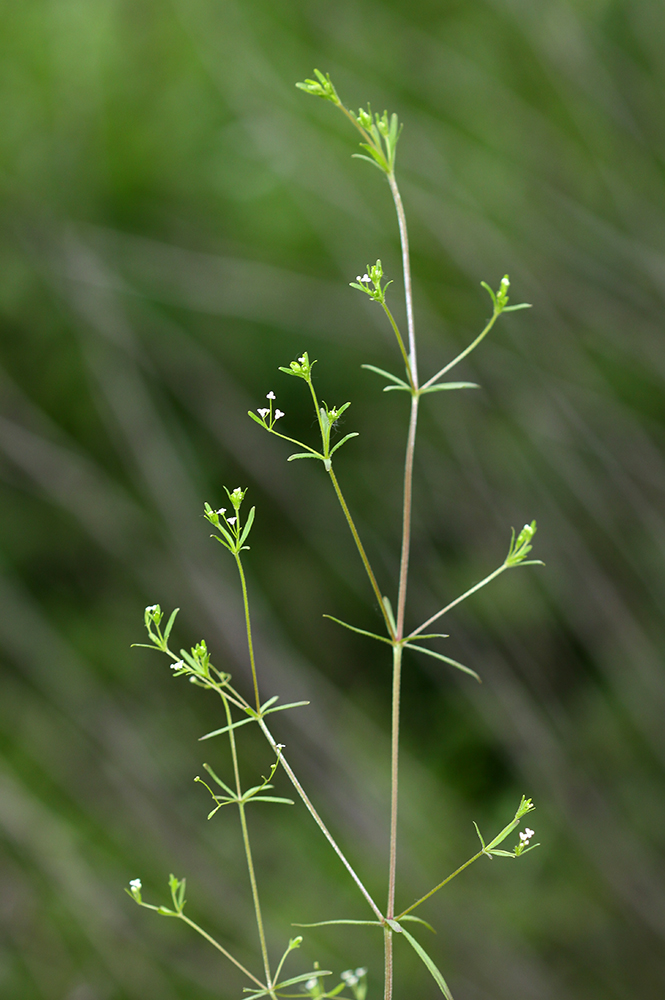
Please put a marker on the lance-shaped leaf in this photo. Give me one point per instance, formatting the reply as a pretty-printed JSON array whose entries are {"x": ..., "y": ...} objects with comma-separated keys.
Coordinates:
[
  {"x": 446, "y": 659},
  {"x": 360, "y": 631},
  {"x": 248, "y": 526},
  {"x": 393, "y": 378},
  {"x": 446, "y": 386},
  {"x": 353, "y": 434},
  {"x": 434, "y": 971},
  {"x": 255, "y": 994},
  {"x": 226, "y": 729},
  {"x": 327, "y": 923}
]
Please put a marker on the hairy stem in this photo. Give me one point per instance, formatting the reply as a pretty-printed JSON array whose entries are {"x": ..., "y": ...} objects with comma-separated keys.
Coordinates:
[
  {"x": 319, "y": 822},
  {"x": 388, "y": 963}
]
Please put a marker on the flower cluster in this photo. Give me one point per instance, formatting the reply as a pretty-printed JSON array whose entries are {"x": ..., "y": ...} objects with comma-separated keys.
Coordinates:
[
  {"x": 135, "y": 889},
  {"x": 268, "y": 416},
  {"x": 370, "y": 282},
  {"x": 321, "y": 87},
  {"x": 355, "y": 979},
  {"x": 524, "y": 841},
  {"x": 302, "y": 368}
]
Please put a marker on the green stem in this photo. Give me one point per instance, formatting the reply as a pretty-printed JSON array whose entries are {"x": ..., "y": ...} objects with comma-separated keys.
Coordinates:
[
  {"x": 245, "y": 839},
  {"x": 319, "y": 822},
  {"x": 440, "y": 885},
  {"x": 400, "y": 343},
  {"x": 224, "y": 952},
  {"x": 458, "y": 600},
  {"x": 406, "y": 268},
  {"x": 464, "y": 353},
  {"x": 361, "y": 550},
  {"x": 248, "y": 626},
  {"x": 394, "y": 778}
]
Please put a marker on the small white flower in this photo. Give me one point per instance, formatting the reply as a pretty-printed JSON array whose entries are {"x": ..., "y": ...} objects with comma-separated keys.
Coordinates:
[
  {"x": 222, "y": 510},
  {"x": 366, "y": 278},
  {"x": 231, "y": 520},
  {"x": 526, "y": 836},
  {"x": 278, "y": 414},
  {"x": 271, "y": 395},
  {"x": 178, "y": 665},
  {"x": 280, "y": 746},
  {"x": 263, "y": 412},
  {"x": 238, "y": 489},
  {"x": 349, "y": 977},
  {"x": 310, "y": 984},
  {"x": 302, "y": 360},
  {"x": 135, "y": 884},
  {"x": 152, "y": 608},
  {"x": 361, "y": 972}
]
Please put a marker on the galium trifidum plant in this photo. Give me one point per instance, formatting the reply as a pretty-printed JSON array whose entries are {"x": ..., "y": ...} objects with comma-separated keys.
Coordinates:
[{"x": 232, "y": 527}]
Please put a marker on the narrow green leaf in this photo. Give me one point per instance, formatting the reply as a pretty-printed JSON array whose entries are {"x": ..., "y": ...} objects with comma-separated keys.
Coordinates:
[
  {"x": 270, "y": 798},
  {"x": 218, "y": 780},
  {"x": 435, "y": 973},
  {"x": 269, "y": 702},
  {"x": 522, "y": 305},
  {"x": 389, "y": 611},
  {"x": 434, "y": 635},
  {"x": 380, "y": 371},
  {"x": 258, "y": 420},
  {"x": 353, "y": 434},
  {"x": 397, "y": 388},
  {"x": 169, "y": 625},
  {"x": 219, "y": 732},
  {"x": 255, "y": 994},
  {"x": 446, "y": 659},
  {"x": 359, "y": 156},
  {"x": 489, "y": 291},
  {"x": 480, "y": 836},
  {"x": 361, "y": 631},
  {"x": 418, "y": 920},
  {"x": 445, "y": 386},
  {"x": 282, "y": 708},
  {"x": 248, "y": 526},
  {"x": 326, "y": 923},
  {"x": 303, "y": 454}
]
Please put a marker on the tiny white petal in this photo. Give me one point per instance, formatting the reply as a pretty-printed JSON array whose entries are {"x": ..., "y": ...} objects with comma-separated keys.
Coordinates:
[
  {"x": 231, "y": 520},
  {"x": 135, "y": 883},
  {"x": 365, "y": 277},
  {"x": 529, "y": 832},
  {"x": 310, "y": 984},
  {"x": 358, "y": 278},
  {"x": 302, "y": 360},
  {"x": 361, "y": 972},
  {"x": 270, "y": 395},
  {"x": 278, "y": 414},
  {"x": 263, "y": 412},
  {"x": 222, "y": 510},
  {"x": 178, "y": 665}
]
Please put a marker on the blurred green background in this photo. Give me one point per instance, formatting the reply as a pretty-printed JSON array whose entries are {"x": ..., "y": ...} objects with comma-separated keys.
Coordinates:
[{"x": 177, "y": 221}]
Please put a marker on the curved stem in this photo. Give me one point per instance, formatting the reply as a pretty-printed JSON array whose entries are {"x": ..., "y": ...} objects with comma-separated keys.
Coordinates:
[{"x": 440, "y": 885}]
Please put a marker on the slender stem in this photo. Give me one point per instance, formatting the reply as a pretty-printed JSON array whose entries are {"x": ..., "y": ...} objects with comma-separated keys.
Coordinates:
[
  {"x": 388, "y": 963},
  {"x": 464, "y": 353},
  {"x": 394, "y": 778},
  {"x": 406, "y": 516},
  {"x": 440, "y": 885},
  {"x": 245, "y": 839},
  {"x": 361, "y": 550},
  {"x": 400, "y": 343},
  {"x": 224, "y": 952},
  {"x": 319, "y": 822},
  {"x": 458, "y": 600},
  {"x": 255, "y": 893},
  {"x": 248, "y": 625},
  {"x": 406, "y": 267}
]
